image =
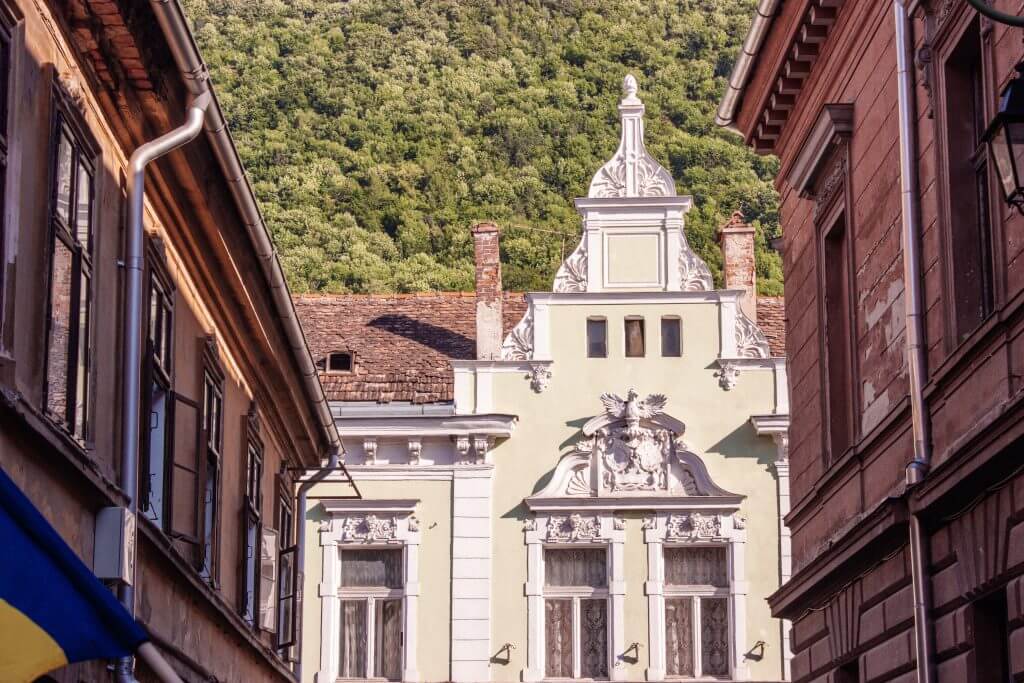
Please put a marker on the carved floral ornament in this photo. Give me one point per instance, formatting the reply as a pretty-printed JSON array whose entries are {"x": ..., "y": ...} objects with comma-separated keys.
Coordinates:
[
  {"x": 632, "y": 449},
  {"x": 369, "y": 527}
]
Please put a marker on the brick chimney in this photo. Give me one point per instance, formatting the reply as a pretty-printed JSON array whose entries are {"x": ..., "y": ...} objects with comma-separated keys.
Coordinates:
[
  {"x": 488, "y": 291},
  {"x": 737, "y": 241}
]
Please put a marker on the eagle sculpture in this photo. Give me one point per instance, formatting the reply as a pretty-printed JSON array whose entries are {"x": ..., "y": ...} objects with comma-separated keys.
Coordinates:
[{"x": 632, "y": 409}]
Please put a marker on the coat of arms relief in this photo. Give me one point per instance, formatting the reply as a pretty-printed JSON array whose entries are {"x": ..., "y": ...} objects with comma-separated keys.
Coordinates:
[{"x": 632, "y": 449}]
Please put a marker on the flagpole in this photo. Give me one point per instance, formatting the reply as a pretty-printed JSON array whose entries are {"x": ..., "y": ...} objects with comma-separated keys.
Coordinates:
[{"x": 155, "y": 661}]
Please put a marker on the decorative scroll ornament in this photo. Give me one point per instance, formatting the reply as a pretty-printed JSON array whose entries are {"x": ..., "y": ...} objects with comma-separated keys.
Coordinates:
[
  {"x": 632, "y": 171},
  {"x": 415, "y": 450},
  {"x": 694, "y": 275},
  {"x": 414, "y": 523},
  {"x": 750, "y": 340},
  {"x": 693, "y": 525},
  {"x": 369, "y": 528},
  {"x": 540, "y": 376},
  {"x": 575, "y": 527},
  {"x": 530, "y": 524},
  {"x": 462, "y": 447},
  {"x": 572, "y": 274},
  {"x": 633, "y": 449},
  {"x": 518, "y": 345},
  {"x": 728, "y": 374}
]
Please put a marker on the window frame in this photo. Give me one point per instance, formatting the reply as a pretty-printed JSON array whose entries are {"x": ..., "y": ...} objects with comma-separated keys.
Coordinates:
[
  {"x": 577, "y": 594},
  {"x": 678, "y": 323},
  {"x": 370, "y": 596},
  {"x": 697, "y": 593},
  {"x": 946, "y": 39},
  {"x": 212, "y": 374},
  {"x": 587, "y": 340},
  {"x": 251, "y": 522},
  {"x": 67, "y": 124},
  {"x": 351, "y": 362},
  {"x": 351, "y": 524},
  {"x": 625, "y": 336},
  {"x": 836, "y": 217},
  {"x": 288, "y": 545},
  {"x": 11, "y": 21},
  {"x": 162, "y": 373}
]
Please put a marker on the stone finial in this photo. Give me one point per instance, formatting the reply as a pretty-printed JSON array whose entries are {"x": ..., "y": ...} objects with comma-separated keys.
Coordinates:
[{"x": 629, "y": 87}]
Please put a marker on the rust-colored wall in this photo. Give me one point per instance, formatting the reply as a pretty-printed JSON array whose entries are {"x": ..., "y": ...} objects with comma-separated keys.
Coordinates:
[{"x": 850, "y": 596}]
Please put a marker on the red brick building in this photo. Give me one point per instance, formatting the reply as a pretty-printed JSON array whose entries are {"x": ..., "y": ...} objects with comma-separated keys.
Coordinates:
[{"x": 904, "y": 317}]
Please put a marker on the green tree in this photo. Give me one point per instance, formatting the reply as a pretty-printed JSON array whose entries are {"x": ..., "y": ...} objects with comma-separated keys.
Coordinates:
[{"x": 376, "y": 132}]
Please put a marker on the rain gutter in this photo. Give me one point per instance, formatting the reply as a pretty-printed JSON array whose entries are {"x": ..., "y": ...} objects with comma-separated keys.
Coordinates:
[{"x": 745, "y": 63}]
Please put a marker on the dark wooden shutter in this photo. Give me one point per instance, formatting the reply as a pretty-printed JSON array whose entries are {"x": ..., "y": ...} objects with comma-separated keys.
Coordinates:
[{"x": 184, "y": 482}]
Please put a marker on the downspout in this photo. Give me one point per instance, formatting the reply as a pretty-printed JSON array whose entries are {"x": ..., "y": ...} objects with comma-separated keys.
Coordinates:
[
  {"x": 745, "y": 62},
  {"x": 131, "y": 379},
  {"x": 175, "y": 28},
  {"x": 918, "y": 468},
  {"x": 300, "y": 550}
]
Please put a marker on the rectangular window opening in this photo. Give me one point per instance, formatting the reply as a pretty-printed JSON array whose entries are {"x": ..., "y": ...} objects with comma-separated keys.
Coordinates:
[
  {"x": 635, "y": 338},
  {"x": 837, "y": 332},
  {"x": 69, "y": 351},
  {"x": 576, "y": 612},
  {"x": 372, "y": 637},
  {"x": 991, "y": 639},
  {"x": 968, "y": 184},
  {"x": 697, "y": 615},
  {"x": 597, "y": 338},
  {"x": 671, "y": 337}
]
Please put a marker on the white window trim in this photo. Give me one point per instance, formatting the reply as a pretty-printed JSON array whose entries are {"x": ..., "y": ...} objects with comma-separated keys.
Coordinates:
[
  {"x": 345, "y": 527},
  {"x": 606, "y": 531},
  {"x": 728, "y": 530},
  {"x": 576, "y": 594}
]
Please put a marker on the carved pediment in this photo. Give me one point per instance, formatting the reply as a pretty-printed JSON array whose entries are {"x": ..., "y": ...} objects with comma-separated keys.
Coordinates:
[{"x": 633, "y": 449}]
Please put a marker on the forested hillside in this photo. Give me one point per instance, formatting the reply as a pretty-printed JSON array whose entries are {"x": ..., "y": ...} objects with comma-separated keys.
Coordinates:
[{"x": 376, "y": 132}]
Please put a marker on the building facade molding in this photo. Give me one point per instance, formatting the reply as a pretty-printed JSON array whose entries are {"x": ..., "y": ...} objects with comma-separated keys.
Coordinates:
[
  {"x": 671, "y": 528},
  {"x": 367, "y": 524}
]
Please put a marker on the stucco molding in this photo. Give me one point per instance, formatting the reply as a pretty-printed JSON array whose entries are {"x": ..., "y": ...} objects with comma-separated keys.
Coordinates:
[
  {"x": 633, "y": 449},
  {"x": 834, "y": 124},
  {"x": 695, "y": 528},
  {"x": 413, "y": 426},
  {"x": 518, "y": 345},
  {"x": 361, "y": 524}
]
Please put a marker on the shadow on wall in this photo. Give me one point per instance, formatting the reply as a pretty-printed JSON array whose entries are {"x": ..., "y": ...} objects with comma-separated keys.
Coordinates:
[
  {"x": 737, "y": 444},
  {"x": 440, "y": 339}
]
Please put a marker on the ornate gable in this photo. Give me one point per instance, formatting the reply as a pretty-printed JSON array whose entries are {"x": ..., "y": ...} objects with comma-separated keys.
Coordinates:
[{"x": 632, "y": 455}]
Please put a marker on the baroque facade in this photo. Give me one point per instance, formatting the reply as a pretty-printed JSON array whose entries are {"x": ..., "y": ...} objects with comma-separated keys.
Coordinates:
[
  {"x": 903, "y": 288},
  {"x": 227, "y": 414},
  {"x": 585, "y": 483}
]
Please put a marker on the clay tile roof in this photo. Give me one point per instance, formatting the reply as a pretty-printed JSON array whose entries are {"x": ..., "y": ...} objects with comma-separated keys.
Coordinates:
[
  {"x": 402, "y": 343},
  {"x": 771, "y": 318}
]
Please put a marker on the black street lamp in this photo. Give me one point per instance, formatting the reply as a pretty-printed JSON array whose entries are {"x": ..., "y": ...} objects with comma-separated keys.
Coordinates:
[
  {"x": 1005, "y": 139},
  {"x": 1005, "y": 135}
]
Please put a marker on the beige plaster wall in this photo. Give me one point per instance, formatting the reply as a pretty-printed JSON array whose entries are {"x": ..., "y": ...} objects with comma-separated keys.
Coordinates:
[{"x": 718, "y": 428}]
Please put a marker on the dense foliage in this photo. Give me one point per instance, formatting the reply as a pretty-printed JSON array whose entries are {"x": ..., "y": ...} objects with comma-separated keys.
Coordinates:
[{"x": 377, "y": 131}]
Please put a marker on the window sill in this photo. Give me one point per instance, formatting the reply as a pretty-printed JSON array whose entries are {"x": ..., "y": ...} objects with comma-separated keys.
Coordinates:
[
  {"x": 992, "y": 327},
  {"x": 162, "y": 543}
]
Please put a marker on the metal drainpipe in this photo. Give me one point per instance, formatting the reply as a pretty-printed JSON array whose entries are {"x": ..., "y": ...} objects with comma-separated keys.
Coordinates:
[
  {"x": 918, "y": 468},
  {"x": 300, "y": 551},
  {"x": 134, "y": 263}
]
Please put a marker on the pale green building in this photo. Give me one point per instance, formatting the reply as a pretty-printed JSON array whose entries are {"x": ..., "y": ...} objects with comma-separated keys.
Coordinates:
[{"x": 587, "y": 483}]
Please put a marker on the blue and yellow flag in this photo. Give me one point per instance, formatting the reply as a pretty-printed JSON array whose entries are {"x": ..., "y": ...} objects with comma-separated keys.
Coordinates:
[{"x": 53, "y": 609}]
